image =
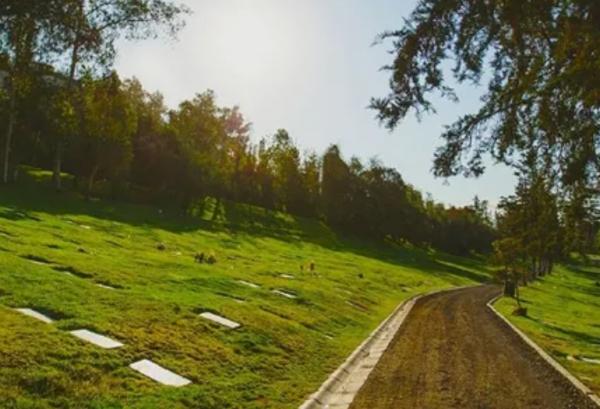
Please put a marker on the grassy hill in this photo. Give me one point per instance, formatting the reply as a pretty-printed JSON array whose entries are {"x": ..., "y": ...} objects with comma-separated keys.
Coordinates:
[
  {"x": 56, "y": 248},
  {"x": 563, "y": 317}
]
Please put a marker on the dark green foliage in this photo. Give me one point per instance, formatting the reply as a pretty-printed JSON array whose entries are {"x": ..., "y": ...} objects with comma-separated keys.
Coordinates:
[
  {"x": 70, "y": 34},
  {"x": 581, "y": 220},
  {"x": 540, "y": 60},
  {"x": 118, "y": 140},
  {"x": 540, "y": 113},
  {"x": 375, "y": 201},
  {"x": 531, "y": 235},
  {"x": 124, "y": 143}
]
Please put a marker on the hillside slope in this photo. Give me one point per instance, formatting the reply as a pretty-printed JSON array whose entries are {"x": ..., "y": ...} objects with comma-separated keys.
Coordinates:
[
  {"x": 563, "y": 317},
  {"x": 56, "y": 249}
]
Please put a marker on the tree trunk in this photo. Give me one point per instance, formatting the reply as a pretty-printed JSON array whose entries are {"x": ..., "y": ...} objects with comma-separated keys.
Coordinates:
[
  {"x": 509, "y": 288},
  {"x": 9, "y": 133},
  {"x": 90, "y": 183},
  {"x": 185, "y": 203},
  {"x": 545, "y": 265},
  {"x": 15, "y": 173},
  {"x": 56, "y": 169},
  {"x": 56, "y": 166}
]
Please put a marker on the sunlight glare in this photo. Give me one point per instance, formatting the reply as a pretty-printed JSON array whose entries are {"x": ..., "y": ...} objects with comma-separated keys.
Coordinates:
[{"x": 257, "y": 43}]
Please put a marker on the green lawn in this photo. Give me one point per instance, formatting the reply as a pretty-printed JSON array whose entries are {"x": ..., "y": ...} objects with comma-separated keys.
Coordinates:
[
  {"x": 564, "y": 318},
  {"x": 284, "y": 349}
]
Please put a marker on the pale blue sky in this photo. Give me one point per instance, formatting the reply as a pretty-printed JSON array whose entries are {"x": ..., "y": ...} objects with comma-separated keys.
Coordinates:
[{"x": 307, "y": 66}]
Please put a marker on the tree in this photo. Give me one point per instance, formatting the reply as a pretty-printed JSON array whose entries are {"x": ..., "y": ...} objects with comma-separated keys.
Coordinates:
[
  {"x": 20, "y": 26},
  {"x": 237, "y": 133},
  {"x": 529, "y": 222},
  {"x": 264, "y": 176},
  {"x": 106, "y": 128},
  {"x": 38, "y": 119},
  {"x": 200, "y": 133},
  {"x": 508, "y": 252},
  {"x": 581, "y": 220},
  {"x": 543, "y": 88},
  {"x": 90, "y": 29},
  {"x": 157, "y": 162},
  {"x": 284, "y": 160},
  {"x": 335, "y": 187},
  {"x": 311, "y": 176}
]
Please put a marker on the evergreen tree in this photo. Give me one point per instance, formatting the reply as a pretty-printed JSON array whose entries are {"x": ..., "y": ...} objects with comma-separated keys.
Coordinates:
[{"x": 543, "y": 88}]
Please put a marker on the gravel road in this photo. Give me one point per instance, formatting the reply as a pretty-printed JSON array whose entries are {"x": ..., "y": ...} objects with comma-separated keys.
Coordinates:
[{"x": 453, "y": 352}]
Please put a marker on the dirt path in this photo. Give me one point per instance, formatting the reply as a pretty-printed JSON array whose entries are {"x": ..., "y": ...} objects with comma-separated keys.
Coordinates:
[{"x": 453, "y": 352}]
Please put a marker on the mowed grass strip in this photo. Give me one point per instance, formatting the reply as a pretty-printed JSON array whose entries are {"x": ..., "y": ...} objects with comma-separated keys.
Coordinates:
[
  {"x": 563, "y": 317},
  {"x": 282, "y": 351}
]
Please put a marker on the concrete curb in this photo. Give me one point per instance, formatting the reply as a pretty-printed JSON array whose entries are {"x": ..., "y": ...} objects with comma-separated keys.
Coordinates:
[
  {"x": 340, "y": 388},
  {"x": 558, "y": 367}
]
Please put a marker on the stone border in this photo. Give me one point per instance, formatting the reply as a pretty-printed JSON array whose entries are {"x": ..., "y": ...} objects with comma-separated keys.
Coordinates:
[
  {"x": 558, "y": 367},
  {"x": 340, "y": 388}
]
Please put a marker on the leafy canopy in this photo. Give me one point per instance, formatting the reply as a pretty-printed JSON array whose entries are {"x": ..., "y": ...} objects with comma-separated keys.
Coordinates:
[{"x": 540, "y": 59}]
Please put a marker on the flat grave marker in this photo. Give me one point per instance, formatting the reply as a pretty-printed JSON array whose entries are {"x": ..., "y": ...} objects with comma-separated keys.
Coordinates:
[
  {"x": 220, "y": 320},
  {"x": 248, "y": 284},
  {"x": 96, "y": 339},
  {"x": 158, "y": 373},
  {"x": 590, "y": 360},
  {"x": 284, "y": 294},
  {"x": 34, "y": 314}
]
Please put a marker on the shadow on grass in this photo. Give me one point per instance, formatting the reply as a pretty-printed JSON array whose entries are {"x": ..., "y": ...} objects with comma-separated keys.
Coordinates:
[
  {"x": 571, "y": 334},
  {"x": 14, "y": 215},
  {"x": 586, "y": 271},
  {"x": 251, "y": 222}
]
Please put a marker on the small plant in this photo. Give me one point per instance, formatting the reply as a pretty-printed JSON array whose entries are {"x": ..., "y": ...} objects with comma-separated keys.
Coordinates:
[
  {"x": 161, "y": 246},
  {"x": 202, "y": 258}
]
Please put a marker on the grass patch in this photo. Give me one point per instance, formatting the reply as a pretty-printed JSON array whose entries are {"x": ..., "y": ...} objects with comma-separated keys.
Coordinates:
[
  {"x": 563, "y": 317},
  {"x": 284, "y": 349}
]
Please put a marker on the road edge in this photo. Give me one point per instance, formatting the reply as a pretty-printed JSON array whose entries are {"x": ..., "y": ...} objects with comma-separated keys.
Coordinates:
[
  {"x": 318, "y": 399},
  {"x": 545, "y": 356}
]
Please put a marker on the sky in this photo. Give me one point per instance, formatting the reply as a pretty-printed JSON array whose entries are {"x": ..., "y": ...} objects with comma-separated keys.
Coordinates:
[{"x": 308, "y": 66}]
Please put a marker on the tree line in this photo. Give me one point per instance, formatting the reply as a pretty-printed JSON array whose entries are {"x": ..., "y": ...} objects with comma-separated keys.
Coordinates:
[
  {"x": 65, "y": 110},
  {"x": 121, "y": 140}
]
